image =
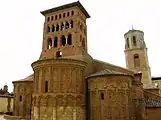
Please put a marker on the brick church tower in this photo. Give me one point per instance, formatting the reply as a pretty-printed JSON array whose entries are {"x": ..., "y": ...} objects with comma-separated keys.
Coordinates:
[
  {"x": 136, "y": 54},
  {"x": 65, "y": 31}
]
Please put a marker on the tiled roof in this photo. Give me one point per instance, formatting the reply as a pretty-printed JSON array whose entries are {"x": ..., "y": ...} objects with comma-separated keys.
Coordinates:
[
  {"x": 28, "y": 78},
  {"x": 152, "y": 103},
  {"x": 7, "y": 95},
  {"x": 133, "y": 30},
  {"x": 152, "y": 99},
  {"x": 107, "y": 72},
  {"x": 128, "y": 71}
]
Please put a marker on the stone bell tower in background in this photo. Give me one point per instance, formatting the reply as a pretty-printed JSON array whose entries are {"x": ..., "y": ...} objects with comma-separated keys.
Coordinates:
[{"x": 136, "y": 54}]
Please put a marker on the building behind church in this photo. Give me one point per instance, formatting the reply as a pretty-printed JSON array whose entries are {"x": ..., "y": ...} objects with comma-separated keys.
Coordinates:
[
  {"x": 6, "y": 101},
  {"x": 68, "y": 84}
]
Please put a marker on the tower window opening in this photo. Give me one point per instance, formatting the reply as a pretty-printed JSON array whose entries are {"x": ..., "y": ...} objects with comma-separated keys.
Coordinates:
[
  {"x": 62, "y": 26},
  {"x": 53, "y": 28},
  {"x": 127, "y": 42},
  {"x": 136, "y": 60},
  {"x": 55, "y": 41},
  {"x": 72, "y": 12},
  {"x": 71, "y": 24},
  {"x": 20, "y": 98},
  {"x": 67, "y": 13},
  {"x": 134, "y": 40},
  {"x": 46, "y": 86},
  {"x": 58, "y": 54},
  {"x": 49, "y": 43},
  {"x": 102, "y": 96},
  {"x": 69, "y": 40},
  {"x": 57, "y": 27},
  {"x": 63, "y": 14},
  {"x": 52, "y": 18},
  {"x": 48, "y": 29},
  {"x": 59, "y": 16},
  {"x": 56, "y": 17},
  {"x": 83, "y": 43},
  {"x": 48, "y": 19},
  {"x": 63, "y": 40},
  {"x": 66, "y": 25}
]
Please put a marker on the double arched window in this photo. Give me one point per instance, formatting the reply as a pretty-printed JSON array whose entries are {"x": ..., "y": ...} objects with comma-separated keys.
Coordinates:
[
  {"x": 67, "y": 40},
  {"x": 64, "y": 40}
]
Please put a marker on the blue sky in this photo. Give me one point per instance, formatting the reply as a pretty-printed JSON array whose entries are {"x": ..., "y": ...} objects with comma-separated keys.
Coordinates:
[{"x": 21, "y": 28}]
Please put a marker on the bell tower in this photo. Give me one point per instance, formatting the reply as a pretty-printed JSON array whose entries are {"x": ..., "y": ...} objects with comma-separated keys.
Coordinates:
[
  {"x": 65, "y": 31},
  {"x": 136, "y": 54}
]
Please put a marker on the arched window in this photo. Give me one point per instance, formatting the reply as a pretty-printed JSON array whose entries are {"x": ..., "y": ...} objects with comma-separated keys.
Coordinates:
[
  {"x": 48, "y": 29},
  {"x": 48, "y": 19},
  {"x": 66, "y": 25},
  {"x": 55, "y": 41},
  {"x": 62, "y": 26},
  {"x": 71, "y": 24},
  {"x": 53, "y": 28},
  {"x": 102, "y": 96},
  {"x": 136, "y": 60},
  {"x": 46, "y": 86},
  {"x": 52, "y": 18},
  {"x": 127, "y": 42},
  {"x": 49, "y": 43},
  {"x": 20, "y": 98},
  {"x": 57, "y": 27},
  {"x": 59, "y": 16},
  {"x": 58, "y": 54},
  {"x": 134, "y": 40},
  {"x": 56, "y": 17},
  {"x": 72, "y": 12},
  {"x": 63, "y": 14},
  {"x": 67, "y": 13},
  {"x": 63, "y": 40},
  {"x": 83, "y": 43},
  {"x": 69, "y": 40}
]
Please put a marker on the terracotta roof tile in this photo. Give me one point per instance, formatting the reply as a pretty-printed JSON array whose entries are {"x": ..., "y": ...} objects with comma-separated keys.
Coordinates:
[{"x": 107, "y": 72}]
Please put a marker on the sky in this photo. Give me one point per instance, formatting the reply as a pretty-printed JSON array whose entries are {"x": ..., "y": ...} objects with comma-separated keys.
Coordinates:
[{"x": 21, "y": 32}]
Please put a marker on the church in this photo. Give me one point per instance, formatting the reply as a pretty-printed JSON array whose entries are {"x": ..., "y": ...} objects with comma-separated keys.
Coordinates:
[{"x": 68, "y": 84}]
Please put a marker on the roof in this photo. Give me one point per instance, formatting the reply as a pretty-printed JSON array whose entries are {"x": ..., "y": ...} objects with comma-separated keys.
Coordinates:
[
  {"x": 152, "y": 100},
  {"x": 28, "y": 78},
  {"x": 152, "y": 103},
  {"x": 115, "y": 67},
  {"x": 156, "y": 78},
  {"x": 78, "y": 4},
  {"x": 107, "y": 72},
  {"x": 7, "y": 96},
  {"x": 133, "y": 30}
]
